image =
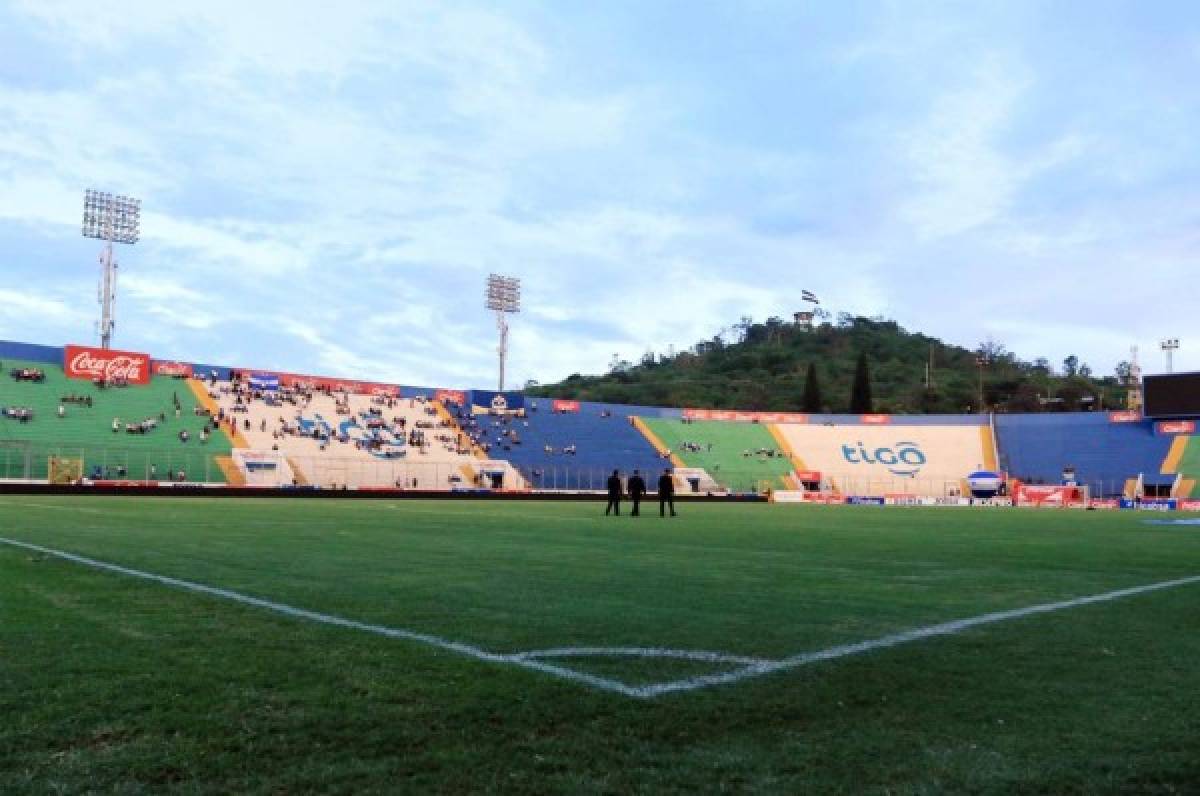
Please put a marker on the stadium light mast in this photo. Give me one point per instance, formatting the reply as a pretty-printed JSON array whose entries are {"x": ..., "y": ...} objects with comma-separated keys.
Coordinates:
[
  {"x": 112, "y": 219},
  {"x": 1169, "y": 347},
  {"x": 504, "y": 297},
  {"x": 981, "y": 360}
]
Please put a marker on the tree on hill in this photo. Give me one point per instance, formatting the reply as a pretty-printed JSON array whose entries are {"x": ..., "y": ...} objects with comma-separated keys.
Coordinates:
[
  {"x": 763, "y": 366},
  {"x": 860, "y": 393},
  {"x": 812, "y": 390}
]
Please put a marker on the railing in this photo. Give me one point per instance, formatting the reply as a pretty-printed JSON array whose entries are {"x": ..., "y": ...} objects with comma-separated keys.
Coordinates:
[{"x": 31, "y": 460}]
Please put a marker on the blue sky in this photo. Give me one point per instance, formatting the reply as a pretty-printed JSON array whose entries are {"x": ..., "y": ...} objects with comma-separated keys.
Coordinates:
[{"x": 327, "y": 186}]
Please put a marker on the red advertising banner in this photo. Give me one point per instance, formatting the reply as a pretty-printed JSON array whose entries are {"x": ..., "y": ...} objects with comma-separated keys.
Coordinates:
[
  {"x": 806, "y": 475},
  {"x": 382, "y": 390},
  {"x": 565, "y": 406},
  {"x": 1105, "y": 503},
  {"x": 1189, "y": 505},
  {"x": 735, "y": 416},
  {"x": 1128, "y": 416},
  {"x": 301, "y": 382},
  {"x": 176, "y": 369},
  {"x": 108, "y": 365},
  {"x": 876, "y": 420},
  {"x": 824, "y": 497},
  {"x": 1046, "y": 495},
  {"x": 453, "y": 396},
  {"x": 1175, "y": 427}
]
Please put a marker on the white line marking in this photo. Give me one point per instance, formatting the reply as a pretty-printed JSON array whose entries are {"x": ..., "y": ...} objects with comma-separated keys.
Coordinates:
[
  {"x": 469, "y": 650},
  {"x": 752, "y": 667},
  {"x": 943, "y": 629},
  {"x": 641, "y": 652}
]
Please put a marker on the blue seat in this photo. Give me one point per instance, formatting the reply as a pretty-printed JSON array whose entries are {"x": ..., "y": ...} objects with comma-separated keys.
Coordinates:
[{"x": 1036, "y": 447}]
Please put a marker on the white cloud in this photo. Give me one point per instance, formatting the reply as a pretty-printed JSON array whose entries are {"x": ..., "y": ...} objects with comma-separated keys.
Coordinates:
[{"x": 326, "y": 187}]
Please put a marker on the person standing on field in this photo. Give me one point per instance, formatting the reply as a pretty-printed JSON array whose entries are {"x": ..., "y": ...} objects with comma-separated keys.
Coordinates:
[
  {"x": 666, "y": 493},
  {"x": 614, "y": 494},
  {"x": 637, "y": 489}
]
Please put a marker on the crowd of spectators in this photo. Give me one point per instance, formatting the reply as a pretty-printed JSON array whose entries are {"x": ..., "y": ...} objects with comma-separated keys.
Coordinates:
[
  {"x": 495, "y": 430},
  {"x": 378, "y": 429},
  {"x": 27, "y": 374},
  {"x": 20, "y": 413}
]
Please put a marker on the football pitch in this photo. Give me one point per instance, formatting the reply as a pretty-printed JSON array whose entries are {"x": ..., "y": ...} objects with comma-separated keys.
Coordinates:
[{"x": 223, "y": 645}]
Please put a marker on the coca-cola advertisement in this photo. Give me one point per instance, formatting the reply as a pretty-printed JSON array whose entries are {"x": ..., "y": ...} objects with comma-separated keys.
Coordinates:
[
  {"x": 382, "y": 390},
  {"x": 453, "y": 396},
  {"x": 178, "y": 370},
  {"x": 734, "y": 416},
  {"x": 106, "y": 365},
  {"x": 565, "y": 406},
  {"x": 1047, "y": 495}
]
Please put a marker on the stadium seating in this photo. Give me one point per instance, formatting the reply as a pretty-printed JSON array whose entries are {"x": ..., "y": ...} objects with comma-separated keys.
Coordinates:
[
  {"x": 1104, "y": 454},
  {"x": 86, "y": 432},
  {"x": 602, "y": 440},
  {"x": 1183, "y": 458},
  {"x": 742, "y": 457},
  {"x": 925, "y": 455},
  {"x": 326, "y": 445},
  {"x": 896, "y": 457}
]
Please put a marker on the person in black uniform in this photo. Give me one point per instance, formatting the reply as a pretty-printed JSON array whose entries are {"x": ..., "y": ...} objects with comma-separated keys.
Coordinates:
[
  {"x": 666, "y": 493},
  {"x": 637, "y": 489},
  {"x": 614, "y": 494}
]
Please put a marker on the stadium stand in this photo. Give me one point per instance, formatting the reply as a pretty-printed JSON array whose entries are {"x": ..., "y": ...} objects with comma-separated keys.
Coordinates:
[
  {"x": 335, "y": 439},
  {"x": 1035, "y": 448},
  {"x": 893, "y": 457},
  {"x": 1183, "y": 459},
  {"x": 363, "y": 440},
  {"x": 565, "y": 450},
  {"x": 146, "y": 444},
  {"x": 741, "y": 457}
]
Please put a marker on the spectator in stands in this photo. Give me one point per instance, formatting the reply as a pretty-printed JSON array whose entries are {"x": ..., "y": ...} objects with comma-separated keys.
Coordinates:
[
  {"x": 666, "y": 493},
  {"x": 614, "y": 494},
  {"x": 637, "y": 489}
]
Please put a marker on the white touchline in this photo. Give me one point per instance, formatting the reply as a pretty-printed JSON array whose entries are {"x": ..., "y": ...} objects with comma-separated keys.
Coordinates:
[
  {"x": 943, "y": 629},
  {"x": 534, "y": 659},
  {"x": 329, "y": 619}
]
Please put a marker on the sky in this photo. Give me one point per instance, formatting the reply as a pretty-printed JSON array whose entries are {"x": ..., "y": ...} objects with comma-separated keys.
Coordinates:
[{"x": 326, "y": 186}]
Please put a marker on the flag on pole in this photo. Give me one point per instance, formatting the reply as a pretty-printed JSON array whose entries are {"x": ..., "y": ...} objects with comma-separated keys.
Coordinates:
[{"x": 808, "y": 295}]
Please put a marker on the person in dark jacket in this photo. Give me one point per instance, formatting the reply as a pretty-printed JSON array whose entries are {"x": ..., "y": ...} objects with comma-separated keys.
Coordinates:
[
  {"x": 614, "y": 494},
  {"x": 666, "y": 493},
  {"x": 637, "y": 489}
]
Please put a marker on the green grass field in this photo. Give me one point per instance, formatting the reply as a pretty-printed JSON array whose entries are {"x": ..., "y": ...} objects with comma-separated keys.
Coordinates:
[{"x": 111, "y": 683}]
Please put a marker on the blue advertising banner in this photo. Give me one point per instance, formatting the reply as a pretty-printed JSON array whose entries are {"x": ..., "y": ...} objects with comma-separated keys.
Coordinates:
[
  {"x": 489, "y": 402},
  {"x": 855, "y": 500},
  {"x": 1163, "y": 504},
  {"x": 263, "y": 382}
]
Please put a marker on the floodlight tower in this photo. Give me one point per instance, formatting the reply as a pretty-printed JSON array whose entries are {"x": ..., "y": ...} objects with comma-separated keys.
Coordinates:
[
  {"x": 112, "y": 219},
  {"x": 503, "y": 296},
  {"x": 1169, "y": 347}
]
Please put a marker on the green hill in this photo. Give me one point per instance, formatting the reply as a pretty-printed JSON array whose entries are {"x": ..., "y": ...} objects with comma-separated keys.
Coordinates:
[{"x": 763, "y": 366}]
